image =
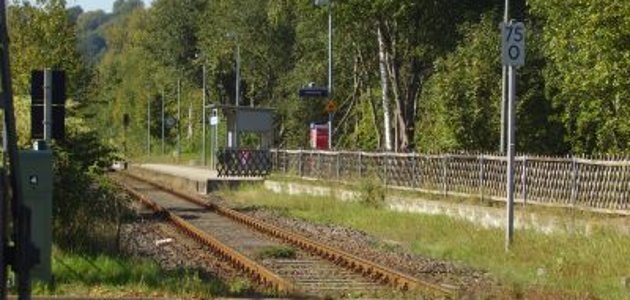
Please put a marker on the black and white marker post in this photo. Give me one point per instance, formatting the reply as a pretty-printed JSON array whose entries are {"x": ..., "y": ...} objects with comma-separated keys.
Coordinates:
[{"x": 513, "y": 55}]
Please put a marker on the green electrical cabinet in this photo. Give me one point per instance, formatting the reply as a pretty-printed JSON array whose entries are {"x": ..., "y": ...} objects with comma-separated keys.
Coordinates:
[{"x": 37, "y": 185}]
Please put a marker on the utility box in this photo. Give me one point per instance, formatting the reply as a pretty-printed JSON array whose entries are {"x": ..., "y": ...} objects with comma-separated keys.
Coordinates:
[{"x": 36, "y": 170}]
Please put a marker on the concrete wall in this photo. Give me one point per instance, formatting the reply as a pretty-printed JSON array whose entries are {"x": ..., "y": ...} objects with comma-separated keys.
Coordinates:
[{"x": 488, "y": 217}]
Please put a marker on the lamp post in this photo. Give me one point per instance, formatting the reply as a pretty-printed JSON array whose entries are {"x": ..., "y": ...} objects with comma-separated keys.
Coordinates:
[
  {"x": 149, "y": 125},
  {"x": 238, "y": 73},
  {"x": 330, "y": 63},
  {"x": 203, "y": 118},
  {"x": 234, "y": 36},
  {"x": 179, "y": 117},
  {"x": 163, "y": 125},
  {"x": 238, "y": 86}
]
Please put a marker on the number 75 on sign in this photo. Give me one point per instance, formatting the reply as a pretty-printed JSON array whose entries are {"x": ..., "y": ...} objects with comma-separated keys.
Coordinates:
[{"x": 513, "y": 43}]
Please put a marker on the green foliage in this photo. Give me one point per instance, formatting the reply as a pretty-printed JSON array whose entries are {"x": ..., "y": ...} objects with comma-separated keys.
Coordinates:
[
  {"x": 460, "y": 104},
  {"x": 569, "y": 264},
  {"x": 42, "y": 36},
  {"x": 109, "y": 276},
  {"x": 372, "y": 191},
  {"x": 587, "y": 45},
  {"x": 442, "y": 61},
  {"x": 86, "y": 206},
  {"x": 276, "y": 252}
]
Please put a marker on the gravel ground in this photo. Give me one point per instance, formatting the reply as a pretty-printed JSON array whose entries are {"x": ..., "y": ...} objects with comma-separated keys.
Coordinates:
[
  {"x": 388, "y": 253},
  {"x": 148, "y": 236}
]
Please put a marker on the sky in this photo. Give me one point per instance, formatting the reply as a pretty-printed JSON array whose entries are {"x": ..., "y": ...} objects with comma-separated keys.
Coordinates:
[{"x": 88, "y": 5}]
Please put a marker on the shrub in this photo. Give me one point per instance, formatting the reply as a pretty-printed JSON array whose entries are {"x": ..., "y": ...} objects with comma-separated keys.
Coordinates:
[{"x": 372, "y": 191}]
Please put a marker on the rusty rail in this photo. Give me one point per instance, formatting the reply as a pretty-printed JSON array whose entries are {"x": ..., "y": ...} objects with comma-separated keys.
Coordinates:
[
  {"x": 256, "y": 271},
  {"x": 366, "y": 268}
]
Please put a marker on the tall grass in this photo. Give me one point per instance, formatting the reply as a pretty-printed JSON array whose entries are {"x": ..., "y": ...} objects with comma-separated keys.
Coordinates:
[
  {"x": 596, "y": 264},
  {"x": 110, "y": 275}
]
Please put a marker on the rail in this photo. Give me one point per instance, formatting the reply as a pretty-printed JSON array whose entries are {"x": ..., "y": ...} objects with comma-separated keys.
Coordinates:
[{"x": 366, "y": 268}]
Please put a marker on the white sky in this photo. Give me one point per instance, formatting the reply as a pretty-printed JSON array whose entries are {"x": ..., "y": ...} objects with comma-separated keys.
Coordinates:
[{"x": 105, "y": 5}]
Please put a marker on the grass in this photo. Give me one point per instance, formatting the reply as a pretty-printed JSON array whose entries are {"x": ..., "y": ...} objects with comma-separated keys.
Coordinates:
[
  {"x": 276, "y": 252},
  {"x": 106, "y": 275},
  {"x": 595, "y": 265},
  {"x": 472, "y": 200}
]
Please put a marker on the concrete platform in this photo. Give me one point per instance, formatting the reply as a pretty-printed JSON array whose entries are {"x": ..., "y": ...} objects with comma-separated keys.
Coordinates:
[{"x": 188, "y": 178}]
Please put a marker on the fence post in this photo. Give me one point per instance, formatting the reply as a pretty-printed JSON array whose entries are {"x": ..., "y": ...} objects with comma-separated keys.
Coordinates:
[
  {"x": 385, "y": 161},
  {"x": 300, "y": 155},
  {"x": 360, "y": 164},
  {"x": 624, "y": 194},
  {"x": 338, "y": 166},
  {"x": 444, "y": 184},
  {"x": 573, "y": 180},
  {"x": 319, "y": 163},
  {"x": 481, "y": 174},
  {"x": 274, "y": 160},
  {"x": 413, "y": 170},
  {"x": 284, "y": 161},
  {"x": 524, "y": 180}
]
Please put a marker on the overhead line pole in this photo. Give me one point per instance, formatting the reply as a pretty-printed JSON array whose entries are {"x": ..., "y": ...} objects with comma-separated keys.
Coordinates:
[
  {"x": 163, "y": 127},
  {"x": 179, "y": 145},
  {"x": 203, "y": 117},
  {"x": 149, "y": 125},
  {"x": 330, "y": 72}
]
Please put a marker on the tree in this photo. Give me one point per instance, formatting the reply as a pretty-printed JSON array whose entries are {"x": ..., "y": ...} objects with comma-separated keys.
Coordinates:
[
  {"x": 44, "y": 37},
  {"x": 587, "y": 45}
]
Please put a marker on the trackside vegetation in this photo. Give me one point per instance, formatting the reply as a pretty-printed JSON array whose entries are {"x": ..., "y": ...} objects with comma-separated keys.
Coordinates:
[{"x": 576, "y": 265}]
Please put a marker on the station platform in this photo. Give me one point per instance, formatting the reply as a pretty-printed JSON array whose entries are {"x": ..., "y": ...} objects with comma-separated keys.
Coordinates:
[{"x": 189, "y": 178}]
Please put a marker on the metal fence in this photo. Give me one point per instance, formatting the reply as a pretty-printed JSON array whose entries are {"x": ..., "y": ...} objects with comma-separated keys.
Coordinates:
[
  {"x": 593, "y": 184},
  {"x": 243, "y": 162}
]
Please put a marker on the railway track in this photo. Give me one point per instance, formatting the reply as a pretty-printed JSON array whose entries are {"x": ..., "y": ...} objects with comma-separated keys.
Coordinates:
[{"x": 311, "y": 268}]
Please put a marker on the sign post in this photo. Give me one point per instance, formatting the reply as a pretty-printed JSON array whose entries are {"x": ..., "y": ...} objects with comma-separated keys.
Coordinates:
[
  {"x": 513, "y": 55},
  {"x": 214, "y": 122},
  {"x": 331, "y": 107}
]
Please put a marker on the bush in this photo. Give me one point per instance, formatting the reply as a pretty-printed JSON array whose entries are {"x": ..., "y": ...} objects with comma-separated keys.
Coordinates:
[
  {"x": 86, "y": 207},
  {"x": 372, "y": 191}
]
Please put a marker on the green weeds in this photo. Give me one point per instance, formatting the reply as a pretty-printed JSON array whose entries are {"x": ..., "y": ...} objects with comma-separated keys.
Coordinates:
[
  {"x": 276, "y": 252},
  {"x": 594, "y": 265},
  {"x": 110, "y": 275}
]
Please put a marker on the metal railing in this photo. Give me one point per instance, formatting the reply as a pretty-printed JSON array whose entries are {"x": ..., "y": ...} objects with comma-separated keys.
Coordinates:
[
  {"x": 243, "y": 162},
  {"x": 594, "y": 184}
]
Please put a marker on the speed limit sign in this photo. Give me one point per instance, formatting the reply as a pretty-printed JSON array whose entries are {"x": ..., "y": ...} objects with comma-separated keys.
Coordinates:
[{"x": 513, "y": 43}]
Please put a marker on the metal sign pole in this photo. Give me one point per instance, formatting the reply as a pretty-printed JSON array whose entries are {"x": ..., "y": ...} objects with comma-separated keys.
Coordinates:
[
  {"x": 48, "y": 95},
  {"x": 212, "y": 133},
  {"x": 509, "y": 233},
  {"x": 513, "y": 55},
  {"x": 504, "y": 87}
]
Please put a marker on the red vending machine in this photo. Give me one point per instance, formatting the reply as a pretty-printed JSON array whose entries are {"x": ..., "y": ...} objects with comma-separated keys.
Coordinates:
[{"x": 319, "y": 136}]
